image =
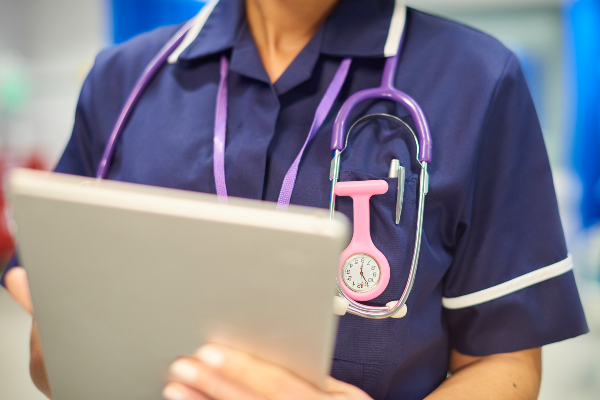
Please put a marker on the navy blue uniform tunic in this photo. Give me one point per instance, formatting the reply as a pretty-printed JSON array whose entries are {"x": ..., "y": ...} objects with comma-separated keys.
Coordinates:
[{"x": 494, "y": 273}]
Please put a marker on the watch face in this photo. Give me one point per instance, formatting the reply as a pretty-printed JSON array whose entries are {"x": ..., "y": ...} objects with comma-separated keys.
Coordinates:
[{"x": 361, "y": 273}]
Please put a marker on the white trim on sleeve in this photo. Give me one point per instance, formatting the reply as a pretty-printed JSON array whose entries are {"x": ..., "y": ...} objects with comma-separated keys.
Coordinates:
[{"x": 508, "y": 287}]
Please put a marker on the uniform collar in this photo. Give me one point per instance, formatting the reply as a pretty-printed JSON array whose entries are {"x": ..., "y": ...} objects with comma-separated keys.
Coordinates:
[{"x": 341, "y": 37}]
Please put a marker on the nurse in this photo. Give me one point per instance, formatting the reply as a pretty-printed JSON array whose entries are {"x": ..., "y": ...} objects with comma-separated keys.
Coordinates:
[{"x": 495, "y": 280}]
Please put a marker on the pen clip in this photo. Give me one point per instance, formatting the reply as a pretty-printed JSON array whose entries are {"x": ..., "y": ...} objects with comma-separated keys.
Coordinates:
[{"x": 398, "y": 171}]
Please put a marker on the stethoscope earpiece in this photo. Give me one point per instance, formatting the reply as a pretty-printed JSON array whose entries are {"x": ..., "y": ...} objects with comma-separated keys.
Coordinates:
[
  {"x": 340, "y": 307},
  {"x": 400, "y": 313}
]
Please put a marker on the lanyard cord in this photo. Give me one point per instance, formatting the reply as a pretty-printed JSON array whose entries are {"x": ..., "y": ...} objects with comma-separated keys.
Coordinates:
[
  {"x": 322, "y": 110},
  {"x": 289, "y": 181},
  {"x": 220, "y": 133},
  {"x": 220, "y": 128}
]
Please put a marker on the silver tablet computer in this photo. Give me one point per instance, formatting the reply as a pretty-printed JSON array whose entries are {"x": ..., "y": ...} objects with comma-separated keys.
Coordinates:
[{"x": 125, "y": 278}]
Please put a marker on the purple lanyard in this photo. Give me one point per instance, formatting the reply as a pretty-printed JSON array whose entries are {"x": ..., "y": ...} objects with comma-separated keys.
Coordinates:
[
  {"x": 386, "y": 91},
  {"x": 289, "y": 181},
  {"x": 220, "y": 119}
]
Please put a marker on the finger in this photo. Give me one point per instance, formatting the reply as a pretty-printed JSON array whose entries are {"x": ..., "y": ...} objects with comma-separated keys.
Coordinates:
[
  {"x": 37, "y": 366},
  {"x": 179, "y": 391},
  {"x": 18, "y": 287},
  {"x": 339, "y": 389},
  {"x": 265, "y": 379},
  {"x": 195, "y": 375},
  {"x": 332, "y": 385}
]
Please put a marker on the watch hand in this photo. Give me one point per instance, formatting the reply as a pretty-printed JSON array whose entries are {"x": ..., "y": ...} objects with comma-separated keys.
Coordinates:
[{"x": 363, "y": 276}]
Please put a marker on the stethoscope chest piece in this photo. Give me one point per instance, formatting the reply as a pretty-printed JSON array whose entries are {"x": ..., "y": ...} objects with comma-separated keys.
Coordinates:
[{"x": 364, "y": 272}]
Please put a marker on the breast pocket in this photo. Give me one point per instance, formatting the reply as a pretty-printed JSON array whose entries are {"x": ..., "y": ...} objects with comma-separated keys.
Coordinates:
[{"x": 370, "y": 341}]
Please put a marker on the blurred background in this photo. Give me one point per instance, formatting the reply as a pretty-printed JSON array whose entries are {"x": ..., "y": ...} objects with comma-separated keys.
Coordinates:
[{"x": 47, "y": 48}]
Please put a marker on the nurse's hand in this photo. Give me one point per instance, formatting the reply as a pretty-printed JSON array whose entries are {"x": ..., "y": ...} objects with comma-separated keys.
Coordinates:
[
  {"x": 220, "y": 373},
  {"x": 18, "y": 287}
]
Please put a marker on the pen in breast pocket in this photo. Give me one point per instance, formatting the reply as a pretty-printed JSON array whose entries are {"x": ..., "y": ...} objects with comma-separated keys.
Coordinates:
[{"x": 397, "y": 171}]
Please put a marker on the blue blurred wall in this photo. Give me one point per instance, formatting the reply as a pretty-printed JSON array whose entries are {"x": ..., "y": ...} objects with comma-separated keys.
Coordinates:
[
  {"x": 583, "y": 16},
  {"x": 132, "y": 17}
]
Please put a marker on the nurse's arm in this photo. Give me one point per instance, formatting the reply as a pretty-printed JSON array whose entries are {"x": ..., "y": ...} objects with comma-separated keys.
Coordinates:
[
  {"x": 505, "y": 376},
  {"x": 18, "y": 287}
]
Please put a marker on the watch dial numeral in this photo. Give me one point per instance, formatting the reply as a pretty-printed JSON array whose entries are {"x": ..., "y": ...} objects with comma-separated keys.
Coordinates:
[{"x": 358, "y": 279}]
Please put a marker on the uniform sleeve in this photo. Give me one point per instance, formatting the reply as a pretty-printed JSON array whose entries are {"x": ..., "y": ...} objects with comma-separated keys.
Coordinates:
[
  {"x": 511, "y": 285},
  {"x": 77, "y": 158}
]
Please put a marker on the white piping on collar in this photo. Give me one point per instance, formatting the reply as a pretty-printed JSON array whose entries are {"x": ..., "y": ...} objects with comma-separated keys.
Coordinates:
[
  {"x": 508, "y": 287},
  {"x": 390, "y": 49},
  {"x": 396, "y": 28},
  {"x": 194, "y": 31}
]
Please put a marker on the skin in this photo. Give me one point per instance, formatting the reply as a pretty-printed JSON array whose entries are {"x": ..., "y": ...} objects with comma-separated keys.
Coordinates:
[
  {"x": 18, "y": 287},
  {"x": 281, "y": 29}
]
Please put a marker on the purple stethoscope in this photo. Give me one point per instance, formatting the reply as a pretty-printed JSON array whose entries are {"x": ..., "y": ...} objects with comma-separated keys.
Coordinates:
[{"x": 363, "y": 271}]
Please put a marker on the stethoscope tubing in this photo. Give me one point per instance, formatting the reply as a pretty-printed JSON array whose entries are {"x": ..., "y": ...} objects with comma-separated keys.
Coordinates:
[
  {"x": 145, "y": 78},
  {"x": 375, "y": 312},
  {"x": 386, "y": 91}
]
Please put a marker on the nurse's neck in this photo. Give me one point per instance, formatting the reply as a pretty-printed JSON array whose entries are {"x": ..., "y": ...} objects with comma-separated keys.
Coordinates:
[{"x": 281, "y": 29}]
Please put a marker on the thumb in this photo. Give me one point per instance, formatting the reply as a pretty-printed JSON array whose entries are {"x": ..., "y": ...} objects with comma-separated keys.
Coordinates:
[{"x": 18, "y": 287}]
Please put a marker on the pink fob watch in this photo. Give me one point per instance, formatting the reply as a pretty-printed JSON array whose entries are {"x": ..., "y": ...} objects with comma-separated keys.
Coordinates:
[{"x": 364, "y": 272}]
